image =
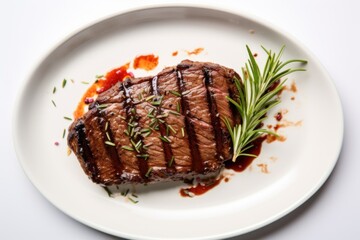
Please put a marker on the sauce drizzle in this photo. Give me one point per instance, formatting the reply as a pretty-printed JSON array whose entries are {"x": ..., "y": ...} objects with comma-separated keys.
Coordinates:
[
  {"x": 243, "y": 162},
  {"x": 101, "y": 85},
  {"x": 146, "y": 62}
]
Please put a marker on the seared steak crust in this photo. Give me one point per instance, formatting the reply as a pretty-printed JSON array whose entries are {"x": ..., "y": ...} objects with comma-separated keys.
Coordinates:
[{"x": 166, "y": 127}]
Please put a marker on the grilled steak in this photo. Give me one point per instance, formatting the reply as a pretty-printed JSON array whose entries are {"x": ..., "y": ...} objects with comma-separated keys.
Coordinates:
[{"x": 166, "y": 127}]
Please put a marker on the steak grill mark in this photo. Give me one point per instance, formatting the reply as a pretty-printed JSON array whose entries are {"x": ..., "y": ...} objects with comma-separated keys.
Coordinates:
[
  {"x": 168, "y": 154},
  {"x": 197, "y": 163},
  {"x": 131, "y": 115},
  {"x": 215, "y": 118}
]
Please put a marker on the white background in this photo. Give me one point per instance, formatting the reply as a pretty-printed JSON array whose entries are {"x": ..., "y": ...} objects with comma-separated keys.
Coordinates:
[{"x": 29, "y": 29}]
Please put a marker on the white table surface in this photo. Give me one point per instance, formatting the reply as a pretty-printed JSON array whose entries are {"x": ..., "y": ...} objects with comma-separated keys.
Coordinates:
[{"x": 330, "y": 29}]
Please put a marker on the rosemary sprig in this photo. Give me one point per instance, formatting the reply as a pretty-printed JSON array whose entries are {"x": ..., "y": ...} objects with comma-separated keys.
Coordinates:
[{"x": 257, "y": 91}]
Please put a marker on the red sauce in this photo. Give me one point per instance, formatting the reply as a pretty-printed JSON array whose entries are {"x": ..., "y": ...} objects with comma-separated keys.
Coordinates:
[
  {"x": 175, "y": 53},
  {"x": 255, "y": 54},
  {"x": 101, "y": 85},
  {"x": 263, "y": 167},
  {"x": 196, "y": 51},
  {"x": 278, "y": 116},
  {"x": 146, "y": 62},
  {"x": 243, "y": 162},
  {"x": 200, "y": 188}
]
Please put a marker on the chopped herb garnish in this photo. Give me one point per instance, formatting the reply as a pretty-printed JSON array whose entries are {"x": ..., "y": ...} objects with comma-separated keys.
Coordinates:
[
  {"x": 108, "y": 136},
  {"x": 108, "y": 191},
  {"x": 171, "y": 161},
  {"x": 165, "y": 139},
  {"x": 67, "y": 118},
  {"x": 171, "y": 128},
  {"x": 126, "y": 132},
  {"x": 162, "y": 115},
  {"x": 151, "y": 110},
  {"x": 130, "y": 124},
  {"x": 134, "y": 195},
  {"x": 64, "y": 83},
  {"x": 148, "y": 172},
  {"x": 123, "y": 118},
  {"x": 110, "y": 143},
  {"x": 140, "y": 96},
  {"x": 102, "y": 106},
  {"x": 53, "y": 103},
  {"x": 127, "y": 148},
  {"x": 183, "y": 132},
  {"x": 99, "y": 76},
  {"x": 54, "y": 90},
  {"x": 160, "y": 120},
  {"x": 133, "y": 111},
  {"x": 175, "y": 93},
  {"x": 106, "y": 126},
  {"x": 143, "y": 156},
  {"x": 147, "y": 134},
  {"x": 185, "y": 92},
  {"x": 125, "y": 193},
  {"x": 64, "y": 132},
  {"x": 178, "y": 107},
  {"x": 84, "y": 82},
  {"x": 149, "y": 98},
  {"x": 174, "y": 113},
  {"x": 133, "y": 201},
  {"x": 145, "y": 130}
]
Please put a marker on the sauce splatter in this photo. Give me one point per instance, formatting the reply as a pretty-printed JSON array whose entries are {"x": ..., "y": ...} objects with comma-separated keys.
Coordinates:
[
  {"x": 175, "y": 53},
  {"x": 196, "y": 51},
  {"x": 243, "y": 162},
  {"x": 146, "y": 62},
  {"x": 200, "y": 188},
  {"x": 286, "y": 123},
  {"x": 101, "y": 85},
  {"x": 263, "y": 167},
  {"x": 272, "y": 138},
  {"x": 278, "y": 116}
]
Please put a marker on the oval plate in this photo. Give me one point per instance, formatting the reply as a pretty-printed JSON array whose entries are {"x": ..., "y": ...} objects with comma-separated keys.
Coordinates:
[{"x": 296, "y": 168}]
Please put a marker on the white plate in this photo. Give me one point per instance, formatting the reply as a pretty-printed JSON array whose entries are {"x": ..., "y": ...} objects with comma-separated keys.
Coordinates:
[{"x": 252, "y": 199}]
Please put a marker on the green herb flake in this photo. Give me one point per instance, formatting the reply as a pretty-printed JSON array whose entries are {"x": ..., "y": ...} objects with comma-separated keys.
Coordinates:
[
  {"x": 64, "y": 132},
  {"x": 110, "y": 143},
  {"x": 149, "y": 98},
  {"x": 64, "y": 83},
  {"x": 171, "y": 128},
  {"x": 107, "y": 190},
  {"x": 122, "y": 117},
  {"x": 67, "y": 118},
  {"x": 182, "y": 132},
  {"x": 84, "y": 82},
  {"x": 102, "y": 106},
  {"x": 178, "y": 107},
  {"x": 108, "y": 136},
  {"x": 106, "y": 126},
  {"x": 53, "y": 103},
  {"x": 99, "y": 76},
  {"x": 132, "y": 200},
  {"x": 148, "y": 172},
  {"x": 146, "y": 156},
  {"x": 134, "y": 195},
  {"x": 54, "y": 90},
  {"x": 175, "y": 93},
  {"x": 127, "y": 148},
  {"x": 174, "y": 113},
  {"x": 125, "y": 193},
  {"x": 165, "y": 139},
  {"x": 171, "y": 161}
]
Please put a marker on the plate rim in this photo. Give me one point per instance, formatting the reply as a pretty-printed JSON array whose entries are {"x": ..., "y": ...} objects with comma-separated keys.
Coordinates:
[{"x": 212, "y": 7}]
